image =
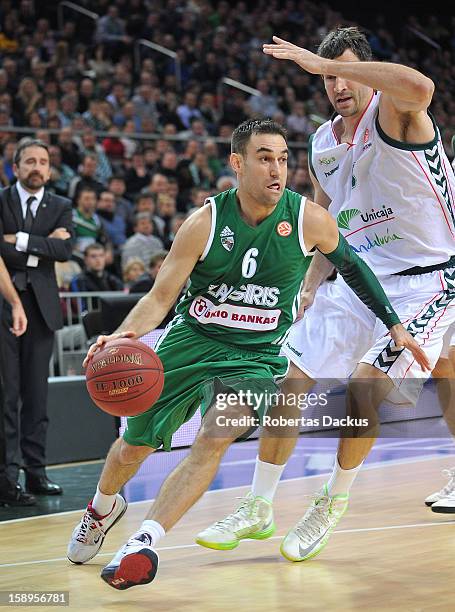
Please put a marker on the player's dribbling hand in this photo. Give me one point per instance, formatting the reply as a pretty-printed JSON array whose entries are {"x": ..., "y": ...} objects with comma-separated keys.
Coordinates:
[
  {"x": 282, "y": 49},
  {"x": 101, "y": 341},
  {"x": 403, "y": 339}
]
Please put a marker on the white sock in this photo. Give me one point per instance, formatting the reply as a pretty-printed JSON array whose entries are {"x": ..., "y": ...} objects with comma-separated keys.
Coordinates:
[
  {"x": 102, "y": 503},
  {"x": 266, "y": 478},
  {"x": 154, "y": 529},
  {"x": 341, "y": 480}
]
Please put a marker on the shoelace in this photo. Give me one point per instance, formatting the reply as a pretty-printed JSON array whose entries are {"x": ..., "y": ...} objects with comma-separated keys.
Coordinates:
[
  {"x": 316, "y": 516},
  {"x": 244, "y": 512},
  {"x": 88, "y": 523},
  {"x": 450, "y": 473}
]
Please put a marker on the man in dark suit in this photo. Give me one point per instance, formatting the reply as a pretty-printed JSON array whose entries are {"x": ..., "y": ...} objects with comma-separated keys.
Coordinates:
[
  {"x": 37, "y": 230},
  {"x": 11, "y": 494}
]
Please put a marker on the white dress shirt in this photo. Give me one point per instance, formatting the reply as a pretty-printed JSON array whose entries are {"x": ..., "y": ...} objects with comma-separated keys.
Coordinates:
[{"x": 22, "y": 237}]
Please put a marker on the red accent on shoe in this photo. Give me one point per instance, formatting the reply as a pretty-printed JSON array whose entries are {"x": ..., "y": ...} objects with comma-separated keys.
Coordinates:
[
  {"x": 135, "y": 568},
  {"x": 96, "y": 516}
]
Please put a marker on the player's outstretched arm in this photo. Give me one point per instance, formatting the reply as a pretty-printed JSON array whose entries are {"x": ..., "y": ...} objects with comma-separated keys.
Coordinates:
[
  {"x": 409, "y": 87},
  {"x": 320, "y": 231},
  {"x": 188, "y": 246}
]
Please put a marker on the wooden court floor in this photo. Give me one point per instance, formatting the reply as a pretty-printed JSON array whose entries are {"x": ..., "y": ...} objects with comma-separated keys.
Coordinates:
[{"x": 389, "y": 552}]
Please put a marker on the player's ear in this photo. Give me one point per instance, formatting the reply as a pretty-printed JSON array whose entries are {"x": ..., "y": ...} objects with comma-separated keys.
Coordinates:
[{"x": 236, "y": 162}]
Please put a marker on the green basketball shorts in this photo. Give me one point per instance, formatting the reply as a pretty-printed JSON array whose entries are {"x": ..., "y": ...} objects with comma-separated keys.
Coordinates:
[{"x": 192, "y": 363}]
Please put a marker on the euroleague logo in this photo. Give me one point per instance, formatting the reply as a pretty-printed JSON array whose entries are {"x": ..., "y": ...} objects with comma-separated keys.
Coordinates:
[{"x": 284, "y": 228}]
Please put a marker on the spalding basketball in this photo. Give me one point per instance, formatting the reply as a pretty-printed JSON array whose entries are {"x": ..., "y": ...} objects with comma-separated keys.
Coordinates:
[{"x": 125, "y": 378}]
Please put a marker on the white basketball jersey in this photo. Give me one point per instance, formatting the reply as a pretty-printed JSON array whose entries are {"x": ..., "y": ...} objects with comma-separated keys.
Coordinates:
[{"x": 394, "y": 202}]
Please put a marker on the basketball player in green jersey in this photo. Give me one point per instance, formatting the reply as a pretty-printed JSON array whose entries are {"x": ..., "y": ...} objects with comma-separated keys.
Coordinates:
[{"x": 245, "y": 253}]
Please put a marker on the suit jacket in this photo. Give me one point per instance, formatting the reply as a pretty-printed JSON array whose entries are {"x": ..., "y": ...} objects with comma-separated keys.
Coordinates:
[{"x": 54, "y": 211}]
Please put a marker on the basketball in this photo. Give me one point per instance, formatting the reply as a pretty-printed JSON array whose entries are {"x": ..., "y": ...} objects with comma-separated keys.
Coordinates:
[{"x": 125, "y": 378}]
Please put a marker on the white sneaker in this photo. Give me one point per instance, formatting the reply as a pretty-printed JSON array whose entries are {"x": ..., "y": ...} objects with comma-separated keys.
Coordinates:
[
  {"x": 446, "y": 505},
  {"x": 311, "y": 533},
  {"x": 445, "y": 491},
  {"x": 88, "y": 536},
  {"x": 253, "y": 519},
  {"x": 135, "y": 563}
]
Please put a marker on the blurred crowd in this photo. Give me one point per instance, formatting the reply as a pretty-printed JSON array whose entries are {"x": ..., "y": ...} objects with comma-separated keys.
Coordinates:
[{"x": 138, "y": 146}]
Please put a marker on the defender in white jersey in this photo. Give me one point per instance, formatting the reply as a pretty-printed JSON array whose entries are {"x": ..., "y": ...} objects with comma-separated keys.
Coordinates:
[{"x": 380, "y": 168}]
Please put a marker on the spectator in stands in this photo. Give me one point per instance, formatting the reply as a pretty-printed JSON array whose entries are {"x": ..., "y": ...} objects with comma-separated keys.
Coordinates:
[
  {"x": 94, "y": 276},
  {"x": 110, "y": 31},
  {"x": 130, "y": 146},
  {"x": 132, "y": 271},
  {"x": 127, "y": 113},
  {"x": 264, "y": 105},
  {"x": 201, "y": 174},
  {"x": 137, "y": 177},
  {"x": 197, "y": 129},
  {"x": 7, "y": 160},
  {"x": 96, "y": 116},
  {"x": 142, "y": 243},
  {"x": 86, "y": 94},
  {"x": 86, "y": 178},
  {"x": 298, "y": 124},
  {"x": 146, "y": 202},
  {"x": 114, "y": 225},
  {"x": 91, "y": 147},
  {"x": 147, "y": 280},
  {"x": 176, "y": 223},
  {"x": 65, "y": 271},
  {"x": 300, "y": 180},
  {"x": 114, "y": 147},
  {"x": 168, "y": 166},
  {"x": 188, "y": 110},
  {"x": 88, "y": 228},
  {"x": 123, "y": 206},
  {"x": 68, "y": 110},
  {"x": 118, "y": 96},
  {"x": 145, "y": 102},
  {"x": 27, "y": 100},
  {"x": 69, "y": 151},
  {"x": 61, "y": 174}
]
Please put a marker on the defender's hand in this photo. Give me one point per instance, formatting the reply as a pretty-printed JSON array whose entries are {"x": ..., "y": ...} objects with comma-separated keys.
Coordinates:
[
  {"x": 284, "y": 50},
  {"x": 403, "y": 339}
]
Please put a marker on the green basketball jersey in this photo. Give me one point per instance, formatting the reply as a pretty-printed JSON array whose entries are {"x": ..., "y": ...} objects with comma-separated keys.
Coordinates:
[{"x": 245, "y": 289}]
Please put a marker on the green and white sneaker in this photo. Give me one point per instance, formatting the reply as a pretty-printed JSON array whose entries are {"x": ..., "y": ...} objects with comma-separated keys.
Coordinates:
[
  {"x": 311, "y": 533},
  {"x": 253, "y": 519}
]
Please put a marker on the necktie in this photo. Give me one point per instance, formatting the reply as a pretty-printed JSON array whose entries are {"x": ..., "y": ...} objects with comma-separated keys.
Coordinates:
[
  {"x": 20, "y": 278},
  {"x": 28, "y": 221}
]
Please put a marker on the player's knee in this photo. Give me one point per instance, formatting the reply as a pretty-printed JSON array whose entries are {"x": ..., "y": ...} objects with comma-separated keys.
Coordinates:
[
  {"x": 210, "y": 440},
  {"x": 129, "y": 454}
]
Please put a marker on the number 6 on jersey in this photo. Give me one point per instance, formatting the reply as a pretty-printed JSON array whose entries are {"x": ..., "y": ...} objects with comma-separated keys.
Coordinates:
[{"x": 249, "y": 264}]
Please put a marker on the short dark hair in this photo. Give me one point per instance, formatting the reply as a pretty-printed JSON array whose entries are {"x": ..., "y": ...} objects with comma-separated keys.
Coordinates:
[
  {"x": 242, "y": 134},
  {"x": 339, "y": 40},
  {"x": 95, "y": 246},
  {"x": 25, "y": 143}
]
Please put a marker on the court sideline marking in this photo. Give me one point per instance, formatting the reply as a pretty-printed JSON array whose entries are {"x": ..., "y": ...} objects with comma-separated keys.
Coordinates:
[{"x": 370, "y": 466}]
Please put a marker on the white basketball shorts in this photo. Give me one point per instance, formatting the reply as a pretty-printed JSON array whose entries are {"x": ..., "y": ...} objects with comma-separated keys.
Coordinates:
[{"x": 338, "y": 331}]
